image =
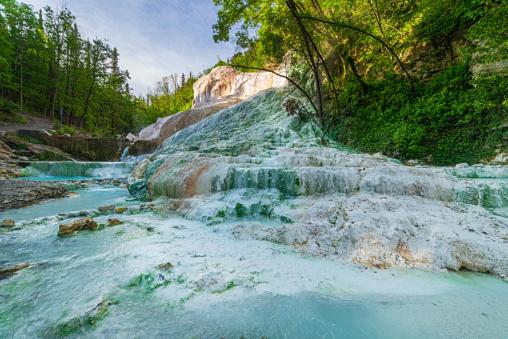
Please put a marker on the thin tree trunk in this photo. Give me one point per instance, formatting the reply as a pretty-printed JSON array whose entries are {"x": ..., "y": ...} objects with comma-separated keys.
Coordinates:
[{"x": 21, "y": 87}]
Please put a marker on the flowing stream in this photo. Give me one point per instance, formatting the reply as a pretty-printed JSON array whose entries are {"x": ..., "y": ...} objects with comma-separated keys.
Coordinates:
[{"x": 110, "y": 283}]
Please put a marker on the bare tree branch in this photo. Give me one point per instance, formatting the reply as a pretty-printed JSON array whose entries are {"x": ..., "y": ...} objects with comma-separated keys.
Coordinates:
[
  {"x": 364, "y": 32},
  {"x": 293, "y": 82}
]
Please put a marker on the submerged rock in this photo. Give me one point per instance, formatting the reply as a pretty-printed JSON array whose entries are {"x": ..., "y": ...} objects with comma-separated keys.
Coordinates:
[
  {"x": 7, "y": 223},
  {"x": 106, "y": 208},
  {"x": 120, "y": 210},
  {"x": 87, "y": 224},
  {"x": 166, "y": 266},
  {"x": 10, "y": 270},
  {"x": 114, "y": 222}
]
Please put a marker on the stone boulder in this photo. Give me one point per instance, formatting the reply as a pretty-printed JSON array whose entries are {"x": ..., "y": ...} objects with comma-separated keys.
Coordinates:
[
  {"x": 6, "y": 272},
  {"x": 7, "y": 223},
  {"x": 114, "y": 222},
  {"x": 87, "y": 224}
]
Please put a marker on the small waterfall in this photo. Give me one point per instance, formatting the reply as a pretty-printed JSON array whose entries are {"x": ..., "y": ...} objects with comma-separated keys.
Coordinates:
[
  {"x": 125, "y": 154},
  {"x": 479, "y": 172},
  {"x": 78, "y": 169},
  {"x": 489, "y": 195}
]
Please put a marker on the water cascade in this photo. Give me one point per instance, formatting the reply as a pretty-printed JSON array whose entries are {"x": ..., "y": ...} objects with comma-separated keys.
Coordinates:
[
  {"x": 78, "y": 169},
  {"x": 238, "y": 198},
  {"x": 125, "y": 154}
]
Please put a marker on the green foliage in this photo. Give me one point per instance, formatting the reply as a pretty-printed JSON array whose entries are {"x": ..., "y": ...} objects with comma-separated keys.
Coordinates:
[
  {"x": 64, "y": 129},
  {"x": 451, "y": 119},
  {"x": 172, "y": 94},
  {"x": 450, "y": 107},
  {"x": 46, "y": 66},
  {"x": 8, "y": 112}
]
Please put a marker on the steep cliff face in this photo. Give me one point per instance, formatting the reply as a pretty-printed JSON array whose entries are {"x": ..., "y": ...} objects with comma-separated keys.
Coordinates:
[
  {"x": 253, "y": 161},
  {"x": 223, "y": 87}
]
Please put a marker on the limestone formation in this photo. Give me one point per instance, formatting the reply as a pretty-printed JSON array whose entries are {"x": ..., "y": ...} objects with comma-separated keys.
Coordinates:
[
  {"x": 254, "y": 161},
  {"x": 226, "y": 82},
  {"x": 223, "y": 87}
]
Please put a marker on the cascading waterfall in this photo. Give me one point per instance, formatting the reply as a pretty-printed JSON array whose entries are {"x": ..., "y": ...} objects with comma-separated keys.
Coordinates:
[
  {"x": 78, "y": 169},
  {"x": 125, "y": 154},
  {"x": 479, "y": 172}
]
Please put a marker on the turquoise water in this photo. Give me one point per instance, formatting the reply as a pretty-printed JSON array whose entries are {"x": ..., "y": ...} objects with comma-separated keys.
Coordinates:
[
  {"x": 78, "y": 169},
  {"x": 53, "y": 178},
  {"x": 83, "y": 200},
  {"x": 222, "y": 287},
  {"x": 109, "y": 284}
]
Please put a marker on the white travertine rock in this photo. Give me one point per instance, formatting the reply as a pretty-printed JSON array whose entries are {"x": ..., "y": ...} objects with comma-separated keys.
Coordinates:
[
  {"x": 223, "y": 87},
  {"x": 254, "y": 161},
  {"x": 152, "y": 132},
  {"x": 223, "y": 82}
]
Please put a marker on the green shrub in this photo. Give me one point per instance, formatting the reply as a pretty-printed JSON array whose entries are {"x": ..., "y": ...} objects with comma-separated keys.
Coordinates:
[
  {"x": 450, "y": 119},
  {"x": 65, "y": 129},
  {"x": 8, "y": 112}
]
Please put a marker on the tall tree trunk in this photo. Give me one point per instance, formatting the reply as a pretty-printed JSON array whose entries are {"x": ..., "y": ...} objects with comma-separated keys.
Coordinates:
[{"x": 21, "y": 87}]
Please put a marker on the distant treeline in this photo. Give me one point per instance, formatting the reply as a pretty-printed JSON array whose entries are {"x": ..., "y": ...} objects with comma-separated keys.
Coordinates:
[
  {"x": 173, "y": 94},
  {"x": 48, "y": 67}
]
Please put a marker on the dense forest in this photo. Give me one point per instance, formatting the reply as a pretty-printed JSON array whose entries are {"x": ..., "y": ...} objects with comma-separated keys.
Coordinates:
[
  {"x": 414, "y": 79},
  {"x": 425, "y": 79},
  {"x": 173, "y": 94},
  {"x": 47, "y": 67}
]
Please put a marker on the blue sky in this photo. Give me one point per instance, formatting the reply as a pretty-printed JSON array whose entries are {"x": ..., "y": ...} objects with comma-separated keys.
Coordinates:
[{"x": 154, "y": 37}]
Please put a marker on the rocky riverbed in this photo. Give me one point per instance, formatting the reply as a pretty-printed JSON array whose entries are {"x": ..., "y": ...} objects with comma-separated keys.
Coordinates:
[
  {"x": 20, "y": 193},
  {"x": 157, "y": 274}
]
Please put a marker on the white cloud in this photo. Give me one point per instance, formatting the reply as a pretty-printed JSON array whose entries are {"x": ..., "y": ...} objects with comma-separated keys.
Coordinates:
[{"x": 154, "y": 37}]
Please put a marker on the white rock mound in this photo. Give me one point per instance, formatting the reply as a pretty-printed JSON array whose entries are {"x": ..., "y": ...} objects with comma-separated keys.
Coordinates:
[
  {"x": 265, "y": 176},
  {"x": 223, "y": 87},
  {"x": 223, "y": 83}
]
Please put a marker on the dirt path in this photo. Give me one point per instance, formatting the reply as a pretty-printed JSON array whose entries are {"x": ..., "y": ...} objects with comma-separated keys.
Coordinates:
[{"x": 33, "y": 123}]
